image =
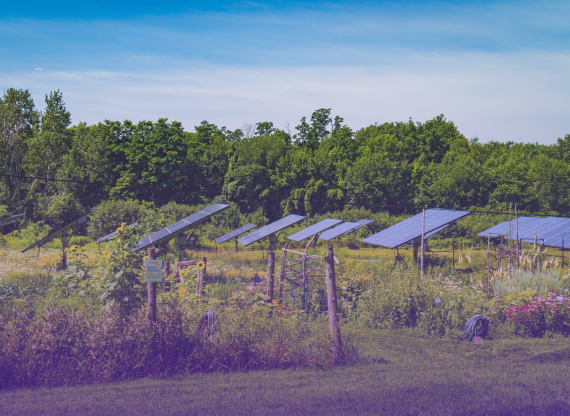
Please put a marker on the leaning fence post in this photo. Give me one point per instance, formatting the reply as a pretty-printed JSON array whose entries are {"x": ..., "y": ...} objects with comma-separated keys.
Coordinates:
[
  {"x": 332, "y": 304},
  {"x": 151, "y": 290}
]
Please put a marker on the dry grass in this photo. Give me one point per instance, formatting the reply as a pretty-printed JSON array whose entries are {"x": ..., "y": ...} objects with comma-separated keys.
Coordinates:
[{"x": 14, "y": 261}]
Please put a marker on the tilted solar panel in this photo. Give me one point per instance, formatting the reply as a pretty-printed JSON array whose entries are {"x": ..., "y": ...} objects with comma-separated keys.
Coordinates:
[
  {"x": 338, "y": 230},
  {"x": 428, "y": 235},
  {"x": 10, "y": 219},
  {"x": 235, "y": 233},
  {"x": 314, "y": 229},
  {"x": 546, "y": 231},
  {"x": 411, "y": 228},
  {"x": 114, "y": 233},
  {"x": 184, "y": 224},
  {"x": 361, "y": 223},
  {"x": 57, "y": 233},
  {"x": 269, "y": 229}
]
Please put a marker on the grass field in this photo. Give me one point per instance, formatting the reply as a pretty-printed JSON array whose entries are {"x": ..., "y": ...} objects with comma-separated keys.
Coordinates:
[{"x": 401, "y": 373}]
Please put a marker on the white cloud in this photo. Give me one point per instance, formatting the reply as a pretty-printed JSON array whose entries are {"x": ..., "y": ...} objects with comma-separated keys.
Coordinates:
[
  {"x": 517, "y": 96},
  {"x": 39, "y": 69}
]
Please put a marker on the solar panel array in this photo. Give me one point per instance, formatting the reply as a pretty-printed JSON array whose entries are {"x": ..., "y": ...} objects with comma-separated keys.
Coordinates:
[
  {"x": 547, "y": 231},
  {"x": 411, "y": 228},
  {"x": 55, "y": 234},
  {"x": 314, "y": 229},
  {"x": 114, "y": 233},
  {"x": 361, "y": 223},
  {"x": 235, "y": 233},
  {"x": 338, "y": 230},
  {"x": 178, "y": 227},
  {"x": 272, "y": 228}
]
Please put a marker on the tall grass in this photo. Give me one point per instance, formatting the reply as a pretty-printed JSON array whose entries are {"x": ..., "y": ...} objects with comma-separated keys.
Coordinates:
[{"x": 67, "y": 347}]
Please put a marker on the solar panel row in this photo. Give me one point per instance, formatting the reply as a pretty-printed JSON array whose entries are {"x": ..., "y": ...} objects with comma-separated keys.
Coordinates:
[
  {"x": 338, "y": 230},
  {"x": 411, "y": 228},
  {"x": 361, "y": 223},
  {"x": 314, "y": 229},
  {"x": 235, "y": 233},
  {"x": 59, "y": 231},
  {"x": 549, "y": 231},
  {"x": 272, "y": 228},
  {"x": 114, "y": 233},
  {"x": 180, "y": 226}
]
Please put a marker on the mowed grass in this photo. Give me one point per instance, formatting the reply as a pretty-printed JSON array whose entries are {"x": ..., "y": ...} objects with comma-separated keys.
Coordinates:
[{"x": 401, "y": 373}]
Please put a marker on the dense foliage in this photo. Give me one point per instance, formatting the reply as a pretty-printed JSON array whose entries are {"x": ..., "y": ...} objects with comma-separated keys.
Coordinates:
[{"x": 323, "y": 167}]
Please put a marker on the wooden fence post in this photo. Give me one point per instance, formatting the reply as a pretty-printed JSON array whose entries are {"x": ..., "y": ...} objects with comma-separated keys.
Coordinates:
[
  {"x": 151, "y": 290},
  {"x": 202, "y": 277},
  {"x": 332, "y": 304},
  {"x": 270, "y": 275},
  {"x": 282, "y": 276},
  {"x": 305, "y": 283},
  {"x": 165, "y": 273}
]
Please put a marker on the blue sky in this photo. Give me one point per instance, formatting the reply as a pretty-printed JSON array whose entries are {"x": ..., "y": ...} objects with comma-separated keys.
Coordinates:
[{"x": 499, "y": 70}]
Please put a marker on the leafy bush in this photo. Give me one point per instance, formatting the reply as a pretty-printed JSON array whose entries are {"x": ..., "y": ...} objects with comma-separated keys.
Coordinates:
[{"x": 110, "y": 215}]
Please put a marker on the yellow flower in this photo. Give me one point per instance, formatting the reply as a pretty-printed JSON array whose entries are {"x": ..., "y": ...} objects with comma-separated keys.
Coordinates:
[
  {"x": 107, "y": 254},
  {"x": 182, "y": 293},
  {"x": 201, "y": 264}
]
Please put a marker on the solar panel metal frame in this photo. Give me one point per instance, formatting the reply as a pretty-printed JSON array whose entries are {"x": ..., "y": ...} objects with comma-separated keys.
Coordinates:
[
  {"x": 411, "y": 228},
  {"x": 185, "y": 224},
  {"x": 338, "y": 230},
  {"x": 114, "y": 233},
  {"x": 235, "y": 233},
  {"x": 361, "y": 223},
  {"x": 314, "y": 229},
  {"x": 269, "y": 229},
  {"x": 55, "y": 234},
  {"x": 430, "y": 234}
]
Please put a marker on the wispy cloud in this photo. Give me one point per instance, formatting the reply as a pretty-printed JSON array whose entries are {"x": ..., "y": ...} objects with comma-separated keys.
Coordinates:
[{"x": 498, "y": 69}]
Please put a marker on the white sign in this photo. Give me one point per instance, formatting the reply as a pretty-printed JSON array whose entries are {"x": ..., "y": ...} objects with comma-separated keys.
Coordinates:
[{"x": 153, "y": 270}]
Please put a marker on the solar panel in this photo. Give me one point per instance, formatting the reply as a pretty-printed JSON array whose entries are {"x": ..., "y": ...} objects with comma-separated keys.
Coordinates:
[
  {"x": 178, "y": 227},
  {"x": 547, "y": 231},
  {"x": 272, "y": 228},
  {"x": 338, "y": 230},
  {"x": 411, "y": 228},
  {"x": 12, "y": 218},
  {"x": 428, "y": 235},
  {"x": 314, "y": 229},
  {"x": 114, "y": 233},
  {"x": 55, "y": 234},
  {"x": 235, "y": 233},
  {"x": 361, "y": 223}
]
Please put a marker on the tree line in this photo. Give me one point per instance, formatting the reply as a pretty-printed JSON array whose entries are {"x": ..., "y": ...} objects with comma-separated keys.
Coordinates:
[{"x": 323, "y": 166}]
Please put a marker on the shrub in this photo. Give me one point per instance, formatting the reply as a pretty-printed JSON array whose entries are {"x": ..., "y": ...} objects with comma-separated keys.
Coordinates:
[{"x": 110, "y": 215}]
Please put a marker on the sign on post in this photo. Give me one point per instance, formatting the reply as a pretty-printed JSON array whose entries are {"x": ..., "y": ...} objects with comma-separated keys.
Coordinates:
[{"x": 153, "y": 270}]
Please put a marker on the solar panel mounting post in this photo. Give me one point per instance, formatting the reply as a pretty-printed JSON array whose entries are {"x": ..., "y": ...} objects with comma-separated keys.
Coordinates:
[
  {"x": 181, "y": 241},
  {"x": 423, "y": 233},
  {"x": 151, "y": 289},
  {"x": 64, "y": 245}
]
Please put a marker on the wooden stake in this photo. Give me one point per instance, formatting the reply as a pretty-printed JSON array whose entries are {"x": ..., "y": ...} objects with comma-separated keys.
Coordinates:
[
  {"x": 270, "y": 275},
  {"x": 305, "y": 283},
  {"x": 282, "y": 275},
  {"x": 488, "y": 263},
  {"x": 151, "y": 290},
  {"x": 334, "y": 323},
  {"x": 202, "y": 278},
  {"x": 453, "y": 245},
  {"x": 165, "y": 273}
]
